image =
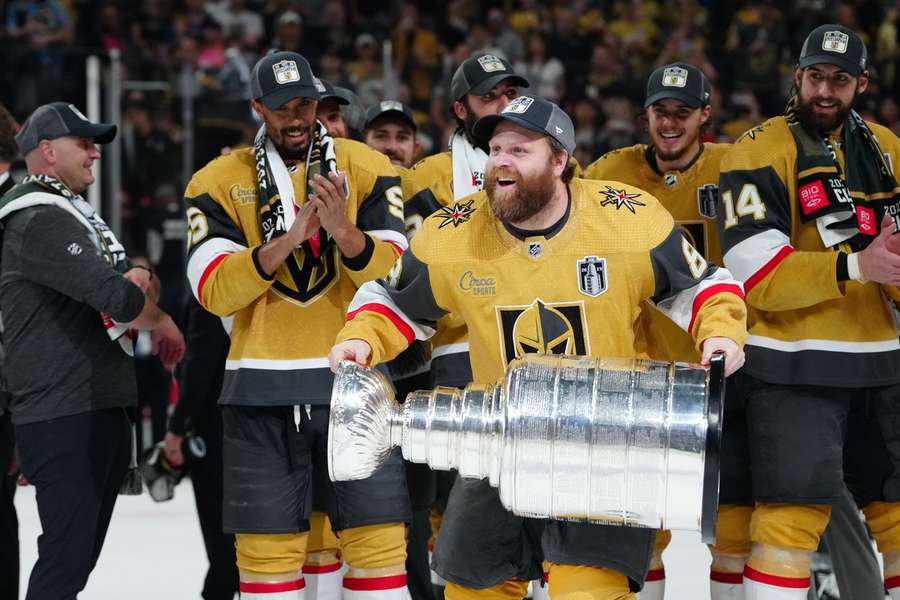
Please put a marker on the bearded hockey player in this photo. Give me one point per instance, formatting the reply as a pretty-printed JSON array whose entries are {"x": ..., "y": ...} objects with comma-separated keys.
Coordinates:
[
  {"x": 281, "y": 235},
  {"x": 542, "y": 262}
]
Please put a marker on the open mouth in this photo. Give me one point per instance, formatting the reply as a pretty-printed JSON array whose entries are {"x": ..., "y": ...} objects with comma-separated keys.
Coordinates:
[
  {"x": 505, "y": 182},
  {"x": 295, "y": 135},
  {"x": 825, "y": 105},
  {"x": 670, "y": 136}
]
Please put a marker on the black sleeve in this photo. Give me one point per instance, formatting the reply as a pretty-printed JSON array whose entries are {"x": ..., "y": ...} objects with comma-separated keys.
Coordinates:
[{"x": 57, "y": 252}]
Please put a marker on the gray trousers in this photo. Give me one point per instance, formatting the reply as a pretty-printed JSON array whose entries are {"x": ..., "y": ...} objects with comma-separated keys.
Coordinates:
[{"x": 852, "y": 556}]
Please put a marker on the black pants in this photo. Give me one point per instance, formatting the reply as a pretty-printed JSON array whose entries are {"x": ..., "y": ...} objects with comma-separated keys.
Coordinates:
[
  {"x": 221, "y": 582},
  {"x": 9, "y": 523},
  {"x": 76, "y": 465}
]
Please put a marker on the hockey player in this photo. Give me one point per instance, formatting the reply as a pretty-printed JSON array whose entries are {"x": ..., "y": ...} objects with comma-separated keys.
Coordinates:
[
  {"x": 280, "y": 236},
  {"x": 806, "y": 206},
  {"x": 541, "y": 262},
  {"x": 482, "y": 85},
  {"x": 683, "y": 173}
]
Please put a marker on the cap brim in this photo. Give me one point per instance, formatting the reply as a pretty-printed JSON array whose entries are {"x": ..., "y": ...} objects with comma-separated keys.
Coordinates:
[
  {"x": 278, "y": 98},
  {"x": 832, "y": 59},
  {"x": 340, "y": 99},
  {"x": 688, "y": 99},
  {"x": 484, "y": 127},
  {"x": 101, "y": 133},
  {"x": 491, "y": 82},
  {"x": 395, "y": 113}
]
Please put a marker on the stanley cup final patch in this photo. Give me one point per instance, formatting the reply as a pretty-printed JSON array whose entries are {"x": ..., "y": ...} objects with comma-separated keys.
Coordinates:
[
  {"x": 286, "y": 71},
  {"x": 835, "y": 41},
  {"x": 592, "y": 276},
  {"x": 490, "y": 63},
  {"x": 519, "y": 105},
  {"x": 675, "y": 77}
]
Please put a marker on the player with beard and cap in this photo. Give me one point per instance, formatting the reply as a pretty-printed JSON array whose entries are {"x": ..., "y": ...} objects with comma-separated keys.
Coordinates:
[
  {"x": 508, "y": 260},
  {"x": 683, "y": 172},
  {"x": 391, "y": 129},
  {"x": 809, "y": 205},
  {"x": 280, "y": 236},
  {"x": 482, "y": 85},
  {"x": 329, "y": 110}
]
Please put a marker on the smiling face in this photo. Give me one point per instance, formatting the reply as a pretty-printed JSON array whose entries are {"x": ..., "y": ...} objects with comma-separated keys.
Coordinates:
[
  {"x": 394, "y": 137},
  {"x": 522, "y": 173},
  {"x": 329, "y": 113},
  {"x": 825, "y": 95},
  {"x": 70, "y": 159},
  {"x": 675, "y": 128},
  {"x": 290, "y": 127}
]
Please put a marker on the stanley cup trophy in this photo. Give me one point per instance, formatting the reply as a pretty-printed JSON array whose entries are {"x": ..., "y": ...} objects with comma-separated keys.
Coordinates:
[{"x": 615, "y": 441}]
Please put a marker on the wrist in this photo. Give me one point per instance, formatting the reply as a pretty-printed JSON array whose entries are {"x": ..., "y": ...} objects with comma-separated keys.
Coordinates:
[
  {"x": 854, "y": 271},
  {"x": 148, "y": 269}
]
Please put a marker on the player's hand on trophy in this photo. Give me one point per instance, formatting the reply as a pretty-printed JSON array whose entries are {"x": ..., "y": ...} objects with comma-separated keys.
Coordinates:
[
  {"x": 359, "y": 351},
  {"x": 734, "y": 354},
  {"x": 880, "y": 261}
]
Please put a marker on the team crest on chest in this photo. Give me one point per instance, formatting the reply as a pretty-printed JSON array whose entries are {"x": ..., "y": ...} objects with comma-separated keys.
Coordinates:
[
  {"x": 542, "y": 328},
  {"x": 593, "y": 278},
  {"x": 620, "y": 198},
  {"x": 455, "y": 215}
]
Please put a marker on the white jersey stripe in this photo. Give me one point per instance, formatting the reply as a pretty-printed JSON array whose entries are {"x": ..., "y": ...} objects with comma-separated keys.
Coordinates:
[
  {"x": 204, "y": 255},
  {"x": 372, "y": 292},
  {"x": 754, "y": 253},
  {"x": 271, "y": 364}
]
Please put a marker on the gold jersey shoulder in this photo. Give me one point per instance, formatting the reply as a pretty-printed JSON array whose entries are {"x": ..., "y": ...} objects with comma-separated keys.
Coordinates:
[{"x": 434, "y": 173}]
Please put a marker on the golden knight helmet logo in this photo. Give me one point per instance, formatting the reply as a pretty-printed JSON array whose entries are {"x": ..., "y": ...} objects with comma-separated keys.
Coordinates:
[{"x": 544, "y": 330}]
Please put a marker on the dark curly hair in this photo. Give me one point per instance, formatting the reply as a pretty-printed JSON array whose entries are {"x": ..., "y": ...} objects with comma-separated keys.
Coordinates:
[{"x": 9, "y": 150}]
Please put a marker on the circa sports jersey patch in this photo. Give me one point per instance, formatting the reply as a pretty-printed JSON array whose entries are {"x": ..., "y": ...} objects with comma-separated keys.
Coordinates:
[
  {"x": 835, "y": 41},
  {"x": 542, "y": 328},
  {"x": 286, "y": 71},
  {"x": 241, "y": 194},
  {"x": 490, "y": 63},
  {"x": 454, "y": 215},
  {"x": 619, "y": 198},
  {"x": 675, "y": 77},
  {"x": 593, "y": 279}
]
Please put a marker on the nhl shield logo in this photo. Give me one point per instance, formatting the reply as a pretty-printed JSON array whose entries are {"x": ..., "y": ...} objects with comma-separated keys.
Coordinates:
[
  {"x": 835, "y": 41},
  {"x": 286, "y": 71},
  {"x": 670, "y": 179},
  {"x": 592, "y": 279},
  {"x": 490, "y": 63},
  {"x": 675, "y": 77},
  {"x": 519, "y": 105}
]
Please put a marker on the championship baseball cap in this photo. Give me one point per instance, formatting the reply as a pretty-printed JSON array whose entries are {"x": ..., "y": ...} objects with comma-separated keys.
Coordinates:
[
  {"x": 387, "y": 107},
  {"x": 535, "y": 114},
  {"x": 680, "y": 81},
  {"x": 280, "y": 77},
  {"x": 59, "y": 119},
  {"x": 326, "y": 90},
  {"x": 478, "y": 74},
  {"x": 834, "y": 45}
]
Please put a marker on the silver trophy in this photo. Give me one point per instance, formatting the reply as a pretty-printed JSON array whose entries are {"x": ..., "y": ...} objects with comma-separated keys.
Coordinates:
[{"x": 616, "y": 441}]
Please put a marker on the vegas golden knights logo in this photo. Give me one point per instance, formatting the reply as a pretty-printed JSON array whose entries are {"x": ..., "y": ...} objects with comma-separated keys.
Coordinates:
[
  {"x": 542, "y": 328},
  {"x": 307, "y": 278}
]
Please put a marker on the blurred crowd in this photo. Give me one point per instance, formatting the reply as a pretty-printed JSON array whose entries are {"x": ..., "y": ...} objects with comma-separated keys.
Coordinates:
[{"x": 590, "y": 56}]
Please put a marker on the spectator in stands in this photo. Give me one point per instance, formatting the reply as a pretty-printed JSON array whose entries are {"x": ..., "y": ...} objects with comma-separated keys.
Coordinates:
[{"x": 546, "y": 73}]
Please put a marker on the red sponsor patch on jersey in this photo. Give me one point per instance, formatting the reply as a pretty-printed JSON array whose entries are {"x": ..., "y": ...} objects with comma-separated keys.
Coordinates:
[
  {"x": 812, "y": 197},
  {"x": 866, "y": 219}
]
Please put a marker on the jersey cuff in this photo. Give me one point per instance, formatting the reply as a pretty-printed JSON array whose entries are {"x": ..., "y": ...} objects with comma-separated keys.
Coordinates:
[
  {"x": 359, "y": 262},
  {"x": 842, "y": 273},
  {"x": 259, "y": 269}
]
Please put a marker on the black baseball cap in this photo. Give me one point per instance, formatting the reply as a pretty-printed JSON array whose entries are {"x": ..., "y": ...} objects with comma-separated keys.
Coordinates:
[
  {"x": 480, "y": 73},
  {"x": 680, "y": 81},
  {"x": 280, "y": 77},
  {"x": 386, "y": 107},
  {"x": 59, "y": 119},
  {"x": 535, "y": 114},
  {"x": 326, "y": 90},
  {"x": 835, "y": 45}
]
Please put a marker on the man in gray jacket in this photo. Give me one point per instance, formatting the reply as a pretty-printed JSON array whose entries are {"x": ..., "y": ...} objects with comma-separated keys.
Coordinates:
[{"x": 70, "y": 299}]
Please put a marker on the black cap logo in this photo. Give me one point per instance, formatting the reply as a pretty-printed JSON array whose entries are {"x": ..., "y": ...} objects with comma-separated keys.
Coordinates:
[
  {"x": 675, "y": 77},
  {"x": 286, "y": 71},
  {"x": 490, "y": 63},
  {"x": 835, "y": 41}
]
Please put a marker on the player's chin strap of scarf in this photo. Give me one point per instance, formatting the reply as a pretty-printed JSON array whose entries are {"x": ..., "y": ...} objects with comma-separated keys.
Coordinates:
[
  {"x": 848, "y": 205},
  {"x": 277, "y": 208},
  {"x": 102, "y": 236}
]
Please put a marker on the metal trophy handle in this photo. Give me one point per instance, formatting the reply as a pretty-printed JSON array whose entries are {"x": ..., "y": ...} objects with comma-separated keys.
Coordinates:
[{"x": 619, "y": 441}]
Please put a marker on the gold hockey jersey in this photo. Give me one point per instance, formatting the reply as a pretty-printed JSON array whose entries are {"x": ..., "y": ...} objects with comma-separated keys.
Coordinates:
[
  {"x": 284, "y": 325},
  {"x": 578, "y": 291},
  {"x": 806, "y": 327},
  {"x": 692, "y": 196}
]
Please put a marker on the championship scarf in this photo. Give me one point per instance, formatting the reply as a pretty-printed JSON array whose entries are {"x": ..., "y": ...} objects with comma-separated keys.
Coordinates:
[
  {"x": 468, "y": 165},
  {"x": 104, "y": 239},
  {"x": 848, "y": 204},
  {"x": 277, "y": 206}
]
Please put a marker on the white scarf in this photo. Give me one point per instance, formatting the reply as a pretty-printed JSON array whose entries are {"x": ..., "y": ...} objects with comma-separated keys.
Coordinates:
[{"x": 468, "y": 165}]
